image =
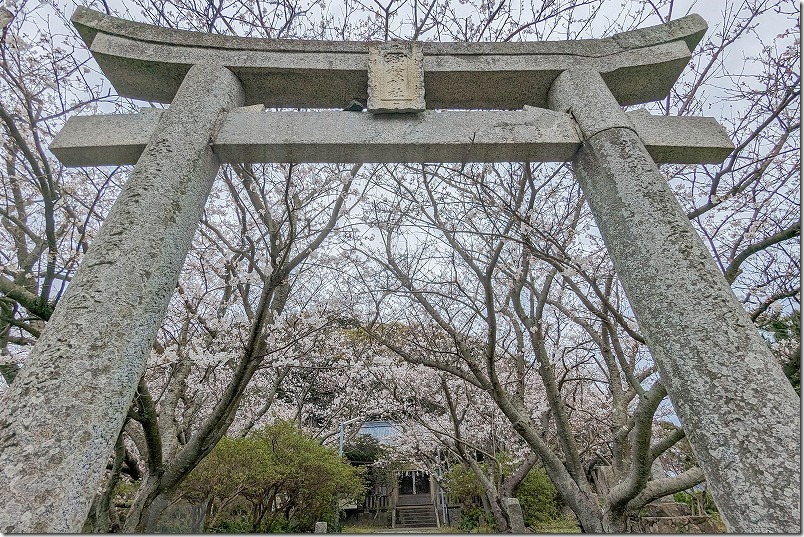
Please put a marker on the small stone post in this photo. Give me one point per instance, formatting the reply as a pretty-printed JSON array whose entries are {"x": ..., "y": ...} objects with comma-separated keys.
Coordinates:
[
  {"x": 740, "y": 413},
  {"x": 62, "y": 415},
  {"x": 515, "y": 516},
  {"x": 320, "y": 527}
]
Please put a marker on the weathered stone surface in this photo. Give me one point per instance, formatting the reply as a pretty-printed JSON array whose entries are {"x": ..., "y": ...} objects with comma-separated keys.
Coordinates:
[
  {"x": 691, "y": 29},
  {"x": 395, "y": 78},
  {"x": 320, "y": 527},
  {"x": 147, "y": 62},
  {"x": 741, "y": 415},
  {"x": 604, "y": 479},
  {"x": 534, "y": 134},
  {"x": 63, "y": 413},
  {"x": 515, "y": 516},
  {"x": 115, "y": 140}
]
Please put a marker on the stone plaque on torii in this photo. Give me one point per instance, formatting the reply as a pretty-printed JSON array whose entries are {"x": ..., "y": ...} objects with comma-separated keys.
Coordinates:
[{"x": 543, "y": 101}]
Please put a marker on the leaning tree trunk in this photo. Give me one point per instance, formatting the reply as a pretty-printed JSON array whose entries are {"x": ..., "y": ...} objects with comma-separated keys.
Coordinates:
[
  {"x": 140, "y": 511},
  {"x": 490, "y": 505}
]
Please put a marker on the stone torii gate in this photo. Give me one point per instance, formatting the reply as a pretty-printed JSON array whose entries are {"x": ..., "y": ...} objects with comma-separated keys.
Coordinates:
[{"x": 554, "y": 101}]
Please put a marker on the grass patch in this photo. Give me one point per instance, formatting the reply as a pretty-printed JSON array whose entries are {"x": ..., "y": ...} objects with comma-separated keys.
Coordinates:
[
  {"x": 360, "y": 529},
  {"x": 557, "y": 526}
]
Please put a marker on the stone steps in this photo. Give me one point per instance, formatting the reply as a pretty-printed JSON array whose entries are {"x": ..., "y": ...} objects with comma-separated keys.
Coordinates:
[{"x": 415, "y": 516}]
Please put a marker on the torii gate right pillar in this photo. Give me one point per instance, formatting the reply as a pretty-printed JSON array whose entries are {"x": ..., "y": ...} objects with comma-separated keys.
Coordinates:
[{"x": 740, "y": 413}]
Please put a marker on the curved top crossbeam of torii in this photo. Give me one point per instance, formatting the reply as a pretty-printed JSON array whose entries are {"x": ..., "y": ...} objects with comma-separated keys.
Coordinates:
[{"x": 148, "y": 62}]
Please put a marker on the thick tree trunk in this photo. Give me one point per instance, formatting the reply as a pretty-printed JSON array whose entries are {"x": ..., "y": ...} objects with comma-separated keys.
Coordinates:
[
  {"x": 138, "y": 513},
  {"x": 576, "y": 494},
  {"x": 164, "y": 481},
  {"x": 500, "y": 516}
]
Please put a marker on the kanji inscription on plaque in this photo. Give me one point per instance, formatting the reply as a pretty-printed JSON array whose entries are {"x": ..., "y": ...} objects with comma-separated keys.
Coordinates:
[{"x": 396, "y": 78}]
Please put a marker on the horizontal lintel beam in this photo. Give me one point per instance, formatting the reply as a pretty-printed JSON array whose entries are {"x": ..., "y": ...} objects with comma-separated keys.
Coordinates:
[
  {"x": 148, "y": 62},
  {"x": 248, "y": 135}
]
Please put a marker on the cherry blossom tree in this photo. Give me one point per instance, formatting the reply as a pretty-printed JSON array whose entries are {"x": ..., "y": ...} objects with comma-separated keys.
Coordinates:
[
  {"x": 446, "y": 420},
  {"x": 506, "y": 262},
  {"x": 49, "y": 214}
]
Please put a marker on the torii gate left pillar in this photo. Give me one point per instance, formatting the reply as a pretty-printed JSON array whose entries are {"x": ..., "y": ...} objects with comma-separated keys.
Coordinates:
[{"x": 66, "y": 407}]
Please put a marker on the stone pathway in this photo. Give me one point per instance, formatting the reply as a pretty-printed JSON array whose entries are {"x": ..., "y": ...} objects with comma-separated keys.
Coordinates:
[
  {"x": 410, "y": 530},
  {"x": 400, "y": 531}
]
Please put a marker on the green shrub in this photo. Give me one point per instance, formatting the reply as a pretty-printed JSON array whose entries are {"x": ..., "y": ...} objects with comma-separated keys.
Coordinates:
[
  {"x": 232, "y": 524},
  {"x": 462, "y": 486},
  {"x": 473, "y": 518},
  {"x": 536, "y": 494},
  {"x": 538, "y": 498},
  {"x": 275, "y": 480},
  {"x": 700, "y": 502}
]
